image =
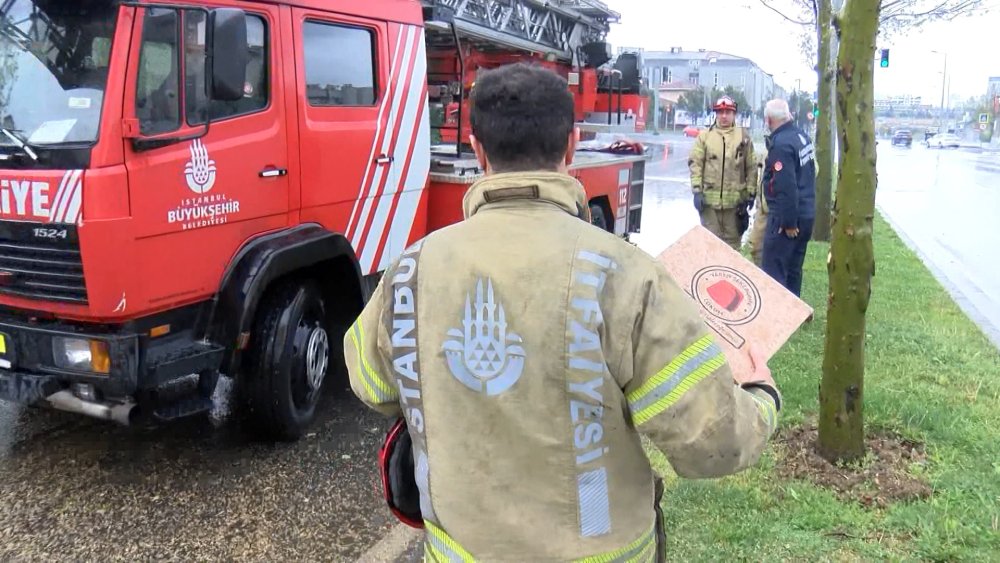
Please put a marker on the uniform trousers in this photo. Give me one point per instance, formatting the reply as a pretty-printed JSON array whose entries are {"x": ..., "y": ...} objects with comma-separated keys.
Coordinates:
[{"x": 783, "y": 255}]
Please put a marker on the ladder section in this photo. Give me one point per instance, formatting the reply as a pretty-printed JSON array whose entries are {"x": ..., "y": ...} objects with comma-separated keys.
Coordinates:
[{"x": 552, "y": 27}]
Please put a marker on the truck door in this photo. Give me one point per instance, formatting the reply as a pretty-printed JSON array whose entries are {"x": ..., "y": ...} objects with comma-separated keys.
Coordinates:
[
  {"x": 364, "y": 130},
  {"x": 199, "y": 196}
]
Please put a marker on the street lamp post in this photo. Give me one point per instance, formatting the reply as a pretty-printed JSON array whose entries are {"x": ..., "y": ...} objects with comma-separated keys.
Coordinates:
[{"x": 944, "y": 76}]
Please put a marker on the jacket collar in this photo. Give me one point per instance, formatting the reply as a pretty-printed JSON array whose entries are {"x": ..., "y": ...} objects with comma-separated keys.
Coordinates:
[
  {"x": 562, "y": 190},
  {"x": 784, "y": 126}
]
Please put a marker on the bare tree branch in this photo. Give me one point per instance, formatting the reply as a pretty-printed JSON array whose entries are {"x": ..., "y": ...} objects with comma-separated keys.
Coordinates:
[
  {"x": 779, "y": 12},
  {"x": 915, "y": 9}
]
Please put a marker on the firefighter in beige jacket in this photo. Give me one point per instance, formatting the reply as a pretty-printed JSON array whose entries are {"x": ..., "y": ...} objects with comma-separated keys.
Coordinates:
[{"x": 528, "y": 349}]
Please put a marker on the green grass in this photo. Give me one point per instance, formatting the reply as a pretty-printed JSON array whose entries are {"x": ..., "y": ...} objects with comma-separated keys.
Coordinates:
[{"x": 931, "y": 375}]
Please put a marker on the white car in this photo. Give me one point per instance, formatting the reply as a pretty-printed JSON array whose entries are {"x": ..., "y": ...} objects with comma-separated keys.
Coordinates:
[{"x": 943, "y": 140}]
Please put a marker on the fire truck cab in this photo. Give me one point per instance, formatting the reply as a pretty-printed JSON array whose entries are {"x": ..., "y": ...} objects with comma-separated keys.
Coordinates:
[{"x": 195, "y": 188}]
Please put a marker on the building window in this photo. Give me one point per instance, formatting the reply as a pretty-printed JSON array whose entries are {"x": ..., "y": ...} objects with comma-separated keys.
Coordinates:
[
  {"x": 693, "y": 78},
  {"x": 716, "y": 81},
  {"x": 670, "y": 75},
  {"x": 340, "y": 69}
]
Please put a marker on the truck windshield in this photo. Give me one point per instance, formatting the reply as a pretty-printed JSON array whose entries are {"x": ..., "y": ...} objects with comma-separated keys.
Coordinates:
[{"x": 54, "y": 59}]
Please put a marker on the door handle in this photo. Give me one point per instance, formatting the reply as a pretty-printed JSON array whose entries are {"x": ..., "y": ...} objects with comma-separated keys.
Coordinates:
[
  {"x": 383, "y": 159},
  {"x": 272, "y": 172}
]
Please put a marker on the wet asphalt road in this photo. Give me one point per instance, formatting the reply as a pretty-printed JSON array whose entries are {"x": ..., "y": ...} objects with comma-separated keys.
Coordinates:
[
  {"x": 946, "y": 204},
  {"x": 76, "y": 489},
  {"x": 72, "y": 488},
  {"x": 668, "y": 210}
]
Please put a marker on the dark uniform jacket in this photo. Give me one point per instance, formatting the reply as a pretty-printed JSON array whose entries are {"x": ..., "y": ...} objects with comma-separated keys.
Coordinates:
[{"x": 790, "y": 177}]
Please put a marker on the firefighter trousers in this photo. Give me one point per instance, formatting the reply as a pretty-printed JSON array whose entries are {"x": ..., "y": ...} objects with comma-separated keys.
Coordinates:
[
  {"x": 757, "y": 235},
  {"x": 724, "y": 224}
]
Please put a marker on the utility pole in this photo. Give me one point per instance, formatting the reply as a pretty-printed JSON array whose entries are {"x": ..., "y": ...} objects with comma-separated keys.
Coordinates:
[
  {"x": 656, "y": 99},
  {"x": 944, "y": 76}
]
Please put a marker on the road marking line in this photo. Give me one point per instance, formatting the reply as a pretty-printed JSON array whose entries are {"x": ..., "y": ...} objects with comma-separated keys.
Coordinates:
[{"x": 393, "y": 544}]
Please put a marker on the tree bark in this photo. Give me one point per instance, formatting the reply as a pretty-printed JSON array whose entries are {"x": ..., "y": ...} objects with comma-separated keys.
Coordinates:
[
  {"x": 852, "y": 261},
  {"x": 824, "y": 123}
]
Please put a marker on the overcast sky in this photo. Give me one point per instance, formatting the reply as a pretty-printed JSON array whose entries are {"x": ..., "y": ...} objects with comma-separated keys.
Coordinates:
[{"x": 745, "y": 28}]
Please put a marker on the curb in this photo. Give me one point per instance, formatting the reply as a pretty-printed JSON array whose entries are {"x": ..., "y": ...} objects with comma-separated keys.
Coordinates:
[{"x": 393, "y": 546}]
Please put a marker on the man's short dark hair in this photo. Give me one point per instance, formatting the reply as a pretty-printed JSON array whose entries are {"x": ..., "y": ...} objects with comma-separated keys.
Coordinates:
[{"x": 523, "y": 115}]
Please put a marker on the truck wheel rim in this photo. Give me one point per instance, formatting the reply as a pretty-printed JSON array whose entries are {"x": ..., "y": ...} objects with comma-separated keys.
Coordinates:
[{"x": 317, "y": 358}]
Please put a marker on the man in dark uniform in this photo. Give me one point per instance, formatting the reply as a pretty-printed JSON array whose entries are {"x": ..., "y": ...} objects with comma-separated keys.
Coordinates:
[{"x": 790, "y": 189}]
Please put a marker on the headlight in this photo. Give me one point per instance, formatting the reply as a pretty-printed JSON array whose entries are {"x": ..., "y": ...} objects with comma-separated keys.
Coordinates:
[{"x": 81, "y": 354}]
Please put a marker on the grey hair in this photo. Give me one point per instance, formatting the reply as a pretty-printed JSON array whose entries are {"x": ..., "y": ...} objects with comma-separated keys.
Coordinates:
[{"x": 777, "y": 109}]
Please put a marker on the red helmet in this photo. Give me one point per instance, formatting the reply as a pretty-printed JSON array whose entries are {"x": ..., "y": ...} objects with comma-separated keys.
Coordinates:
[{"x": 724, "y": 103}]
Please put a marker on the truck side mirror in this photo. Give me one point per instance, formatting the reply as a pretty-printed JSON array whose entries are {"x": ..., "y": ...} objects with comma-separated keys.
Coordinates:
[{"x": 228, "y": 54}]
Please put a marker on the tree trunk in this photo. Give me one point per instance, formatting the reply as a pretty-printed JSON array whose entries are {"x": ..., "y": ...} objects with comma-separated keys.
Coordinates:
[
  {"x": 824, "y": 123},
  {"x": 852, "y": 261}
]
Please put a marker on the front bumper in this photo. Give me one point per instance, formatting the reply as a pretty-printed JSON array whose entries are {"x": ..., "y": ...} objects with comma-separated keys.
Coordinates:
[{"x": 28, "y": 371}]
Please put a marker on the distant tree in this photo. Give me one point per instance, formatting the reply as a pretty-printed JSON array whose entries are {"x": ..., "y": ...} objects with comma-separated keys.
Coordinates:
[
  {"x": 692, "y": 101},
  {"x": 801, "y": 105},
  {"x": 736, "y": 94}
]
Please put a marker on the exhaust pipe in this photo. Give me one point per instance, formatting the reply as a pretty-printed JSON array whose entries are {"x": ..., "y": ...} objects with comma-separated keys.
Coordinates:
[{"x": 66, "y": 401}]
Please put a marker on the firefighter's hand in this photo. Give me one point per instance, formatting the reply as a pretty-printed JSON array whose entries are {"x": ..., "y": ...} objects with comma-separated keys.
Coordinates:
[
  {"x": 759, "y": 372},
  {"x": 792, "y": 233},
  {"x": 699, "y": 201}
]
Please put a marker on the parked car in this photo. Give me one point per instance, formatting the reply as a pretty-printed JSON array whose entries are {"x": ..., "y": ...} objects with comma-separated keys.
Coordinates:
[
  {"x": 692, "y": 130},
  {"x": 902, "y": 137},
  {"x": 943, "y": 140}
]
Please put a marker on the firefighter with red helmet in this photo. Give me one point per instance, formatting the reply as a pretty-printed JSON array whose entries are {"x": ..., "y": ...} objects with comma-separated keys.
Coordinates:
[{"x": 723, "y": 179}]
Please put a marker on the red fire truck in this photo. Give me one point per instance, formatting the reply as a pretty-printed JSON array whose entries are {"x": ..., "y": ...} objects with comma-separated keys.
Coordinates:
[{"x": 196, "y": 188}]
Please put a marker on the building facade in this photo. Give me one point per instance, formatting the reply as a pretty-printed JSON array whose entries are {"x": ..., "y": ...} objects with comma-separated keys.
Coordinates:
[
  {"x": 905, "y": 101},
  {"x": 711, "y": 69}
]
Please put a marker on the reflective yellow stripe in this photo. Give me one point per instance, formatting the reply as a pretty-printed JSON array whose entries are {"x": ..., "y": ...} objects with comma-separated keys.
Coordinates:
[
  {"x": 443, "y": 548},
  {"x": 378, "y": 390},
  {"x": 635, "y": 551},
  {"x": 692, "y": 365},
  {"x": 440, "y": 548},
  {"x": 766, "y": 407},
  {"x": 647, "y": 554}
]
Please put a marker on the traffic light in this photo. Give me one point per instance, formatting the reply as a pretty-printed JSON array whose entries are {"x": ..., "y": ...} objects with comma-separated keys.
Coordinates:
[
  {"x": 815, "y": 111},
  {"x": 885, "y": 58}
]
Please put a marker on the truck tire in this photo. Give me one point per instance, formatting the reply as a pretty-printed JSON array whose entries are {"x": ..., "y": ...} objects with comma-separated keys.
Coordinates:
[
  {"x": 287, "y": 363},
  {"x": 597, "y": 218}
]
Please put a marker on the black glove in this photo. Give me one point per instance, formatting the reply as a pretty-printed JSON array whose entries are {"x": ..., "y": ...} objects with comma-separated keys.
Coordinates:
[
  {"x": 743, "y": 214},
  {"x": 699, "y": 201},
  {"x": 743, "y": 207}
]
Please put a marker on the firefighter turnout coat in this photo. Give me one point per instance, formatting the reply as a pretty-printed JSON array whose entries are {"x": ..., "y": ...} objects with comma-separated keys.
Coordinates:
[
  {"x": 527, "y": 349},
  {"x": 722, "y": 166}
]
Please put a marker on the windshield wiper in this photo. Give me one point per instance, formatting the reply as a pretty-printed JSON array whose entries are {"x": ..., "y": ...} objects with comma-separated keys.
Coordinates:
[{"x": 21, "y": 143}]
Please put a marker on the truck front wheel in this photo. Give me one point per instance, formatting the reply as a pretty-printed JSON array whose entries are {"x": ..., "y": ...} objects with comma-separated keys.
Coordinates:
[
  {"x": 287, "y": 362},
  {"x": 597, "y": 217}
]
